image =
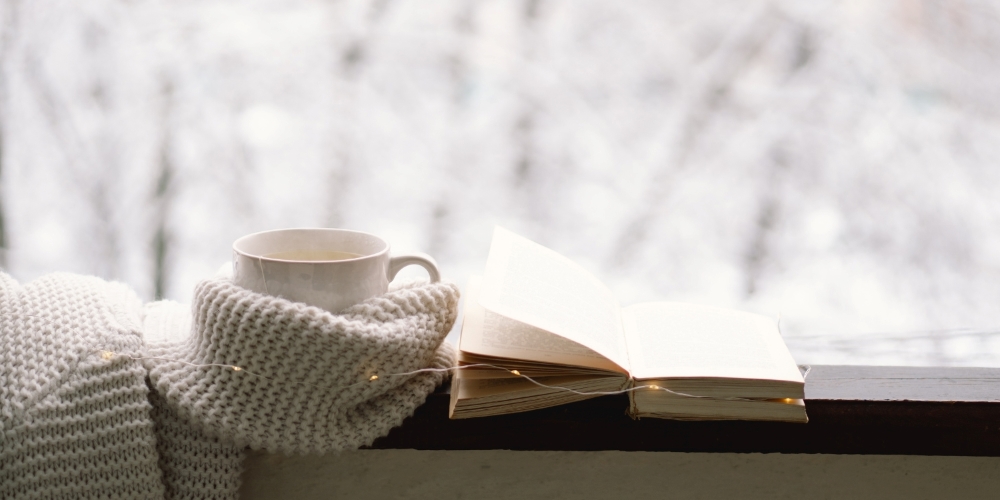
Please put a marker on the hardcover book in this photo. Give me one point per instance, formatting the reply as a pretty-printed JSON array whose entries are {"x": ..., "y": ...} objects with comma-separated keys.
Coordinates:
[{"x": 552, "y": 334}]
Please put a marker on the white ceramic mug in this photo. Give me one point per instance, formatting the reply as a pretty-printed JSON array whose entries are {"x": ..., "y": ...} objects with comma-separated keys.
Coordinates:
[{"x": 332, "y": 285}]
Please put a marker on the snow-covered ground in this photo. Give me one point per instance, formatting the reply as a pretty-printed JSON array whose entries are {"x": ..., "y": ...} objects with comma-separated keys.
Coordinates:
[{"x": 834, "y": 163}]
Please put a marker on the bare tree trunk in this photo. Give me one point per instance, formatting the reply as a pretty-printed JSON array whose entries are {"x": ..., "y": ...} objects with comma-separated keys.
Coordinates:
[
  {"x": 163, "y": 197},
  {"x": 352, "y": 60},
  {"x": 768, "y": 215},
  {"x": 527, "y": 173},
  {"x": 9, "y": 30},
  {"x": 103, "y": 193},
  {"x": 767, "y": 218},
  {"x": 92, "y": 178},
  {"x": 4, "y": 245},
  {"x": 457, "y": 168}
]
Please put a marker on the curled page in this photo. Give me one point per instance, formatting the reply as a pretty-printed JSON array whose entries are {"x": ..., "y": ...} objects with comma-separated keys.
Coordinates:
[
  {"x": 487, "y": 333},
  {"x": 531, "y": 284}
]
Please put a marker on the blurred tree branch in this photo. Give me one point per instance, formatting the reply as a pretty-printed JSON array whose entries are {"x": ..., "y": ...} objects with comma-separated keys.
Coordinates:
[{"x": 705, "y": 93}]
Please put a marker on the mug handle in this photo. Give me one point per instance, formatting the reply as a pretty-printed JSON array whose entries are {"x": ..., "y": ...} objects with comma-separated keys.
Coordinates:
[{"x": 423, "y": 260}]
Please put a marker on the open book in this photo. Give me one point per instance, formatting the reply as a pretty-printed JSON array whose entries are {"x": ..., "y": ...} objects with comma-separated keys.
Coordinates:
[{"x": 537, "y": 314}]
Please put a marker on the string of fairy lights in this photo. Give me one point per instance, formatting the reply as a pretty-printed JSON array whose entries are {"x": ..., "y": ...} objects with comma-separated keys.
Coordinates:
[
  {"x": 377, "y": 378},
  {"x": 109, "y": 355}
]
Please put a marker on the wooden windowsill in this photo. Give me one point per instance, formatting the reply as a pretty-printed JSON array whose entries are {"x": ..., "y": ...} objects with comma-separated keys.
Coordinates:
[{"x": 852, "y": 410}]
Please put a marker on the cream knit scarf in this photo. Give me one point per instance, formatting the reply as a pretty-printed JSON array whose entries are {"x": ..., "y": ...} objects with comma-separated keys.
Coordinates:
[{"x": 78, "y": 420}]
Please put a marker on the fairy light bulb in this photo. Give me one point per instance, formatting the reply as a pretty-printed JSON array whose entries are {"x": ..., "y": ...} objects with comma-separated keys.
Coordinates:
[
  {"x": 236, "y": 368},
  {"x": 654, "y": 387},
  {"x": 515, "y": 372},
  {"x": 373, "y": 378},
  {"x": 107, "y": 354}
]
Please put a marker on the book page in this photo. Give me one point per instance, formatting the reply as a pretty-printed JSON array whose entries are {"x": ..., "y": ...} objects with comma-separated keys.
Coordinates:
[
  {"x": 531, "y": 284},
  {"x": 487, "y": 333},
  {"x": 481, "y": 398},
  {"x": 670, "y": 339}
]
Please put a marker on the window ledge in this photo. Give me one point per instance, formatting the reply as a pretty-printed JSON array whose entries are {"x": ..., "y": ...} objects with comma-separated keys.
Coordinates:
[{"x": 852, "y": 410}]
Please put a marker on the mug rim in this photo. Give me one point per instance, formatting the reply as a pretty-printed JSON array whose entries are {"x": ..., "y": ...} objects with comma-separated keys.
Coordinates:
[{"x": 242, "y": 239}]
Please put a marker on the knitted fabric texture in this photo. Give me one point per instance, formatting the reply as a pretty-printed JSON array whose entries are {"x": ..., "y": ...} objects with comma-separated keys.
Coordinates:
[
  {"x": 194, "y": 466},
  {"x": 73, "y": 424},
  {"x": 77, "y": 425}
]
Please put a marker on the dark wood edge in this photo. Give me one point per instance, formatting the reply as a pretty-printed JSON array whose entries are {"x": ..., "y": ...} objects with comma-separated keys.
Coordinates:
[{"x": 852, "y": 410}]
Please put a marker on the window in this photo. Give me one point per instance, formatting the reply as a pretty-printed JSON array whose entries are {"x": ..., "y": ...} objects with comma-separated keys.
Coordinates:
[{"x": 832, "y": 163}]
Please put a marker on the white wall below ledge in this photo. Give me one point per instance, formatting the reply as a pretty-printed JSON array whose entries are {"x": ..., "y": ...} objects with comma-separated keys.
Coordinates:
[{"x": 519, "y": 475}]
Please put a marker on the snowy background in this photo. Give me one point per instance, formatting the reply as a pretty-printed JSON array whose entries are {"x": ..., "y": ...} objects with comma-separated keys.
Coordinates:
[{"x": 836, "y": 163}]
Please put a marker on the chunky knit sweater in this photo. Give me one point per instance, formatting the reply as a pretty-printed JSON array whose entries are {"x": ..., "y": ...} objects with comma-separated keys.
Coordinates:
[{"x": 88, "y": 409}]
